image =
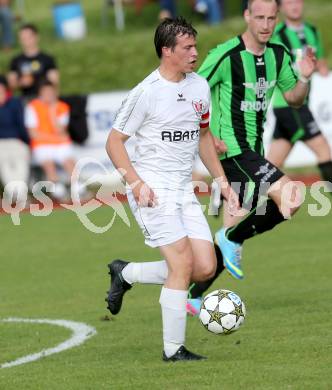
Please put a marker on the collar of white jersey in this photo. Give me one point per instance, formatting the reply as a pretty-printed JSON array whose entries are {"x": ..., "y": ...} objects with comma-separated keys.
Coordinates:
[{"x": 174, "y": 83}]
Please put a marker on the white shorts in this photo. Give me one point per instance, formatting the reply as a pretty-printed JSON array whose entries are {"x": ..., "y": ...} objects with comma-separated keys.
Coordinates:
[
  {"x": 56, "y": 153},
  {"x": 177, "y": 215}
]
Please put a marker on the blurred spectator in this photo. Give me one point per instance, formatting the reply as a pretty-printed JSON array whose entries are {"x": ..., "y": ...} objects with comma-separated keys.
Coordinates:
[
  {"x": 6, "y": 23},
  {"x": 46, "y": 119},
  {"x": 212, "y": 9},
  {"x": 32, "y": 66},
  {"x": 167, "y": 9},
  {"x": 14, "y": 151}
]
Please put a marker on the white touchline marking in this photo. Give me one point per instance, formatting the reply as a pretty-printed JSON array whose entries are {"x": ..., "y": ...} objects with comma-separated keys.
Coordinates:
[{"x": 81, "y": 332}]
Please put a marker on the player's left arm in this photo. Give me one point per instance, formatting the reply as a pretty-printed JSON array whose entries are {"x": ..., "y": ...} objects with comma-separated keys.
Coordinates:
[
  {"x": 210, "y": 159},
  {"x": 295, "y": 96}
]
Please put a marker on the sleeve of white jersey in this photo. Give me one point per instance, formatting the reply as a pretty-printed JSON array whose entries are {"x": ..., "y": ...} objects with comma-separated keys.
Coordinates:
[
  {"x": 205, "y": 119},
  {"x": 132, "y": 112}
]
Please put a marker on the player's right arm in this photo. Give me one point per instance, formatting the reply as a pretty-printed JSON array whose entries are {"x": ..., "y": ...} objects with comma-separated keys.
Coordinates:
[
  {"x": 129, "y": 119},
  {"x": 117, "y": 152}
]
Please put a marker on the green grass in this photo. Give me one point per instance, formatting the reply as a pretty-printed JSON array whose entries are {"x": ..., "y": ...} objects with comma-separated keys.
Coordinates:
[
  {"x": 108, "y": 60},
  {"x": 52, "y": 267}
]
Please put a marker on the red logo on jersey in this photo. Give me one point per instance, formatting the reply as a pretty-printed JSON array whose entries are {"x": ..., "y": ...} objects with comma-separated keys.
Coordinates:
[{"x": 199, "y": 107}]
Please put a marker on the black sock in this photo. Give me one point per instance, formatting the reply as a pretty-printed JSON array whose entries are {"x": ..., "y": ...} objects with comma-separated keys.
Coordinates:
[
  {"x": 198, "y": 289},
  {"x": 254, "y": 224},
  {"x": 326, "y": 172}
]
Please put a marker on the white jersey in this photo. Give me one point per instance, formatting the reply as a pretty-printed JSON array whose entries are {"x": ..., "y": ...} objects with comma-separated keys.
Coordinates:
[{"x": 166, "y": 118}]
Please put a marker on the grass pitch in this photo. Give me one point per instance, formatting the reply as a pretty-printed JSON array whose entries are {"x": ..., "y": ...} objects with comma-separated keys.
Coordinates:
[{"x": 52, "y": 267}]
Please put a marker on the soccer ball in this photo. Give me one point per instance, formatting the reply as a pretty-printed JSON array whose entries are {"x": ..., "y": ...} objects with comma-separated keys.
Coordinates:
[{"x": 222, "y": 312}]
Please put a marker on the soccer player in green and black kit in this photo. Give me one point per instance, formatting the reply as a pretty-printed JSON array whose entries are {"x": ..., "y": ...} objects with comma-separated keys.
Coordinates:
[
  {"x": 294, "y": 124},
  {"x": 242, "y": 74}
]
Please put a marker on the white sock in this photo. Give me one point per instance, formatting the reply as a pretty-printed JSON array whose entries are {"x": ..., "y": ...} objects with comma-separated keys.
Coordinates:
[
  {"x": 174, "y": 316},
  {"x": 154, "y": 272}
]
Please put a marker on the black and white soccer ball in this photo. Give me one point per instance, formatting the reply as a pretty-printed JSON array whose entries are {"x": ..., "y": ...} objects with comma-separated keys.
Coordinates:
[{"x": 222, "y": 312}]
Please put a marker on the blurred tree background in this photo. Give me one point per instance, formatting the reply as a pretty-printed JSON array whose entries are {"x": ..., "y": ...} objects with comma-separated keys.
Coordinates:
[{"x": 107, "y": 59}]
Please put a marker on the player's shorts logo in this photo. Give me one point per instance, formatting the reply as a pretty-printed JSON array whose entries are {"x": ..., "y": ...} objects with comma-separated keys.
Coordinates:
[{"x": 267, "y": 171}]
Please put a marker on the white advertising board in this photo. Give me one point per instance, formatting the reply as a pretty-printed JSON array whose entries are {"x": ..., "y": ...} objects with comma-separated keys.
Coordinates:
[{"x": 102, "y": 107}]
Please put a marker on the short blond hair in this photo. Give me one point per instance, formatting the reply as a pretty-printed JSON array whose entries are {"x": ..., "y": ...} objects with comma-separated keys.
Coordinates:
[{"x": 250, "y": 2}]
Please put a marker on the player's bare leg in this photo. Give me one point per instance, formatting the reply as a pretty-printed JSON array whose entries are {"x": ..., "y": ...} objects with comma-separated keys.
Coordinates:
[
  {"x": 287, "y": 195},
  {"x": 279, "y": 150},
  {"x": 204, "y": 273},
  {"x": 180, "y": 259}
]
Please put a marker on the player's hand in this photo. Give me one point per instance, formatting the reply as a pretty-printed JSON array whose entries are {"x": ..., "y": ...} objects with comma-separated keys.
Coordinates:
[
  {"x": 232, "y": 198},
  {"x": 144, "y": 196},
  {"x": 307, "y": 64},
  {"x": 219, "y": 145},
  {"x": 229, "y": 195}
]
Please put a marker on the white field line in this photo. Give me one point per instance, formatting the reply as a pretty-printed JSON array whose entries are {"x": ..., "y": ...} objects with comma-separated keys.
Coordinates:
[{"x": 81, "y": 332}]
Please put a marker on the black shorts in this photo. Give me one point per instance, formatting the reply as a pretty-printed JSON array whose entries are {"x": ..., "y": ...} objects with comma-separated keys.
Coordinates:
[
  {"x": 295, "y": 124},
  {"x": 250, "y": 175}
]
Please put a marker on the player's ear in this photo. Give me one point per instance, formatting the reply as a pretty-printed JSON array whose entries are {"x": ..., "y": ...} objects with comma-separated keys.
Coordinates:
[
  {"x": 166, "y": 51},
  {"x": 246, "y": 15}
]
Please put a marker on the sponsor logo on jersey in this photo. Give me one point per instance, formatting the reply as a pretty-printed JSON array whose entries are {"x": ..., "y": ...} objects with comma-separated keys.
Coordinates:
[
  {"x": 267, "y": 170},
  {"x": 181, "y": 98},
  {"x": 260, "y": 88},
  {"x": 257, "y": 106},
  {"x": 200, "y": 107},
  {"x": 260, "y": 61},
  {"x": 179, "y": 135}
]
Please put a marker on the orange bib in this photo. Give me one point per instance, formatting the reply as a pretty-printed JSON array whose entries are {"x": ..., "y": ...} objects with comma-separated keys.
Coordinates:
[{"x": 50, "y": 134}]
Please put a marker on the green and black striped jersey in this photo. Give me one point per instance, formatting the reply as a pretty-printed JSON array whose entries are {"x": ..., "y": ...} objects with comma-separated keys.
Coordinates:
[
  {"x": 242, "y": 86},
  {"x": 294, "y": 39}
]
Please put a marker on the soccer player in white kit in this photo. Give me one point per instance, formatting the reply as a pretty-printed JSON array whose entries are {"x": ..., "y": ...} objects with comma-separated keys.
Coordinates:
[{"x": 169, "y": 114}]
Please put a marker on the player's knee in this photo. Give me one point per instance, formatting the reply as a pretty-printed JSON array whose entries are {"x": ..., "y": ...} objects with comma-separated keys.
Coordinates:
[
  {"x": 184, "y": 268},
  {"x": 292, "y": 198},
  {"x": 207, "y": 271}
]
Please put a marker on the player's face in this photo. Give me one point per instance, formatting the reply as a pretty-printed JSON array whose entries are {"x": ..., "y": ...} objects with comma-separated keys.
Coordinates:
[
  {"x": 292, "y": 9},
  {"x": 261, "y": 20},
  {"x": 184, "y": 54}
]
